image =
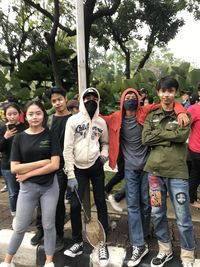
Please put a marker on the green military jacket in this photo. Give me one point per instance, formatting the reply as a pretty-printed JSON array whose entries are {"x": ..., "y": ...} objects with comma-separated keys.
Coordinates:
[{"x": 168, "y": 145}]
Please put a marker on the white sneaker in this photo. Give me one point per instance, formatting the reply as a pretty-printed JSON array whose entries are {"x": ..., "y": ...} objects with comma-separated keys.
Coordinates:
[
  {"x": 115, "y": 205},
  {"x": 51, "y": 264},
  {"x": 4, "y": 189},
  {"x": 4, "y": 264},
  {"x": 187, "y": 264},
  {"x": 13, "y": 213},
  {"x": 75, "y": 250}
]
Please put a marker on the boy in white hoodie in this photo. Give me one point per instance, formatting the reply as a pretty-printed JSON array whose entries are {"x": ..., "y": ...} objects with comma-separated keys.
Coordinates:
[{"x": 85, "y": 152}]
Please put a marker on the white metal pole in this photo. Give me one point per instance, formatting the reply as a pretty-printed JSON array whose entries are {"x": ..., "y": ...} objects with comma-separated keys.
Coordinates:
[
  {"x": 80, "y": 45},
  {"x": 80, "y": 35}
]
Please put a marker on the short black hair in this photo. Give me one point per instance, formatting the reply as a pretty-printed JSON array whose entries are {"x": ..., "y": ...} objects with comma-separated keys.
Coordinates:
[
  {"x": 55, "y": 90},
  {"x": 72, "y": 104},
  {"x": 167, "y": 82},
  {"x": 11, "y": 99},
  {"x": 194, "y": 98},
  {"x": 186, "y": 92},
  {"x": 144, "y": 91},
  {"x": 150, "y": 99},
  {"x": 130, "y": 93}
]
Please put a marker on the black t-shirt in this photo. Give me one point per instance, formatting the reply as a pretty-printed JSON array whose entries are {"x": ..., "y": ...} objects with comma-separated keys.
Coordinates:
[
  {"x": 5, "y": 145},
  {"x": 33, "y": 147},
  {"x": 58, "y": 128}
]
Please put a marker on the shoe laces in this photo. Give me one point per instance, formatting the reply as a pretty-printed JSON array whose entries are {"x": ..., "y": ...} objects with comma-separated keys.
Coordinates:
[
  {"x": 161, "y": 255},
  {"x": 135, "y": 253},
  {"x": 103, "y": 254},
  {"x": 75, "y": 246}
]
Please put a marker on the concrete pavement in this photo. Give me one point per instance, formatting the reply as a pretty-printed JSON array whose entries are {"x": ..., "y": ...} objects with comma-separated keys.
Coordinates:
[{"x": 118, "y": 240}]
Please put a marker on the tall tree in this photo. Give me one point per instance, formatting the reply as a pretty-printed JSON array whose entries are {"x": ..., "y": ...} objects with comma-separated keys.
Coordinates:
[
  {"x": 17, "y": 36},
  {"x": 123, "y": 27},
  {"x": 163, "y": 24},
  {"x": 160, "y": 17},
  {"x": 50, "y": 39},
  {"x": 93, "y": 10}
]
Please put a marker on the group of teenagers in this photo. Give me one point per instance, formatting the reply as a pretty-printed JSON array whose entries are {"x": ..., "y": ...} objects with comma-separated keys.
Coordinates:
[{"x": 48, "y": 155}]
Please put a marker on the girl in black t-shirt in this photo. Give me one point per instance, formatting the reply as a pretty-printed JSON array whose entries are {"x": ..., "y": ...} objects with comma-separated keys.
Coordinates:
[
  {"x": 7, "y": 132},
  {"x": 35, "y": 157}
]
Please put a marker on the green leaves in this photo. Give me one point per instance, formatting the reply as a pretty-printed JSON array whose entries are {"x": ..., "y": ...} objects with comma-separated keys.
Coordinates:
[{"x": 194, "y": 77}]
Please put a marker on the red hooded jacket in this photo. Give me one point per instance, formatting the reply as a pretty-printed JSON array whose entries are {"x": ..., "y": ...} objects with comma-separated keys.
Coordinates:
[{"x": 114, "y": 122}]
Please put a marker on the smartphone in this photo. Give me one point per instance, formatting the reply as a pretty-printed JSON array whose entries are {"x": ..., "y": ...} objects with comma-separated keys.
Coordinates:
[{"x": 11, "y": 126}]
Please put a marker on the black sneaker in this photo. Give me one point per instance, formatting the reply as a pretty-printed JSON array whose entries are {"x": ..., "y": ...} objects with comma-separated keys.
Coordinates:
[
  {"x": 103, "y": 255},
  {"x": 161, "y": 259},
  {"x": 37, "y": 238},
  {"x": 137, "y": 254},
  {"x": 75, "y": 250},
  {"x": 59, "y": 243}
]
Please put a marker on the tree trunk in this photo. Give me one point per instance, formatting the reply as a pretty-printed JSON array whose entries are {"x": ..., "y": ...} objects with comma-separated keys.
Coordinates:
[
  {"x": 52, "y": 53},
  {"x": 90, "y": 17},
  {"x": 127, "y": 69},
  {"x": 12, "y": 67},
  {"x": 147, "y": 54}
]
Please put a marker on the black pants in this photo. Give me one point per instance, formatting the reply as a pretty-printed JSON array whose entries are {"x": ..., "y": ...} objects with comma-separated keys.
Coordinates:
[
  {"x": 95, "y": 174},
  {"x": 118, "y": 176},
  {"x": 60, "y": 210},
  {"x": 194, "y": 179}
]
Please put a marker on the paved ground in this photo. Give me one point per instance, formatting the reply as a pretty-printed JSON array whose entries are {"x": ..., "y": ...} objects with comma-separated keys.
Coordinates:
[{"x": 118, "y": 235}]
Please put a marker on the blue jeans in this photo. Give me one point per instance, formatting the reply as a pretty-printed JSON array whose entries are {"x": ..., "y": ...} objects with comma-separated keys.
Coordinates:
[
  {"x": 138, "y": 204},
  {"x": 13, "y": 188},
  {"x": 179, "y": 194}
]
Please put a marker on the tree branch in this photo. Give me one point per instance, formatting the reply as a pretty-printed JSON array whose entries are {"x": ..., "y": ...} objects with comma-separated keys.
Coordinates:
[
  {"x": 48, "y": 15},
  {"x": 106, "y": 11},
  {"x": 150, "y": 46},
  {"x": 4, "y": 63},
  {"x": 22, "y": 42},
  {"x": 122, "y": 46},
  {"x": 56, "y": 19}
]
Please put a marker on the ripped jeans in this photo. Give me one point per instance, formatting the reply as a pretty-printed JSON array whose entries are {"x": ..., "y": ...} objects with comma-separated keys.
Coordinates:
[{"x": 178, "y": 190}]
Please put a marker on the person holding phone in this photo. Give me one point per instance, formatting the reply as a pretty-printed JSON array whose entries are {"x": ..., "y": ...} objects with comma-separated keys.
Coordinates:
[{"x": 7, "y": 132}]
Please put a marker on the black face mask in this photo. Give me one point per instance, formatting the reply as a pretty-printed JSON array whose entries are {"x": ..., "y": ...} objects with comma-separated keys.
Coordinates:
[
  {"x": 91, "y": 107},
  {"x": 131, "y": 104}
]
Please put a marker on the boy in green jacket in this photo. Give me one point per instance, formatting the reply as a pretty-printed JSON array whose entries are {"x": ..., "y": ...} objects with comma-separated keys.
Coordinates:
[{"x": 167, "y": 170}]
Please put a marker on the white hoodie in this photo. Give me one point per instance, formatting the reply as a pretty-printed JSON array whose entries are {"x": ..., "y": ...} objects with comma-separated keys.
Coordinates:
[{"x": 85, "y": 139}]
